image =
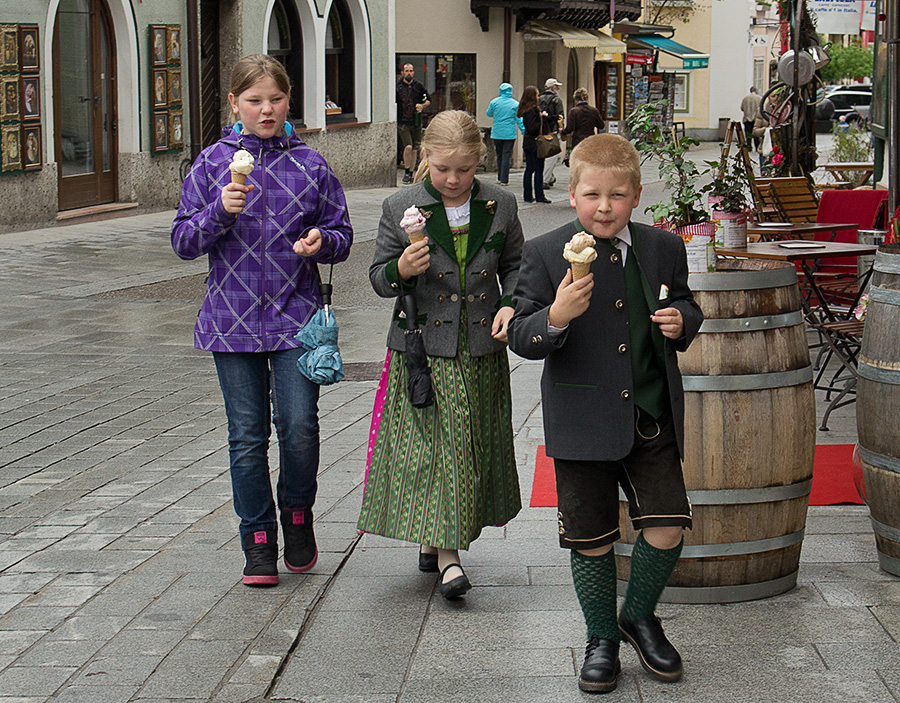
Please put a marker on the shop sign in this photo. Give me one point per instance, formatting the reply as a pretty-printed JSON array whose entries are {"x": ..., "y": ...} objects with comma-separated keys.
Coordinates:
[
  {"x": 643, "y": 59},
  {"x": 696, "y": 63}
]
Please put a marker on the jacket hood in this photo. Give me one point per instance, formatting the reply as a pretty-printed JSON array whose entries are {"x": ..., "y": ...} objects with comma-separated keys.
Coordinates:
[
  {"x": 505, "y": 90},
  {"x": 231, "y": 134}
]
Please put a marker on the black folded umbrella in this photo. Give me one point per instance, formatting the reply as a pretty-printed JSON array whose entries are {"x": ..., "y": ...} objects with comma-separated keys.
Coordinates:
[{"x": 421, "y": 392}]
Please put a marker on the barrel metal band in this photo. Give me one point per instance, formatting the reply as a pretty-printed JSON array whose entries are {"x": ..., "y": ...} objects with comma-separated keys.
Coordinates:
[
  {"x": 745, "y": 496},
  {"x": 886, "y": 531},
  {"x": 890, "y": 377},
  {"x": 888, "y": 296},
  {"x": 748, "y": 382},
  {"x": 889, "y": 563},
  {"x": 742, "y": 280},
  {"x": 887, "y": 263},
  {"x": 727, "y": 549},
  {"x": 752, "y": 324},
  {"x": 879, "y": 461},
  {"x": 723, "y": 594}
]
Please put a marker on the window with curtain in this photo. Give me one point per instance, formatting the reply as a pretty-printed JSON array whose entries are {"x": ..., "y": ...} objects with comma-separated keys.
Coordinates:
[
  {"x": 285, "y": 43},
  {"x": 340, "y": 69}
]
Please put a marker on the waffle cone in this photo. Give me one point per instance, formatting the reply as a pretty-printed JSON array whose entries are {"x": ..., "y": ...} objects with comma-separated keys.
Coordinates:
[
  {"x": 239, "y": 178},
  {"x": 580, "y": 270},
  {"x": 416, "y": 236}
]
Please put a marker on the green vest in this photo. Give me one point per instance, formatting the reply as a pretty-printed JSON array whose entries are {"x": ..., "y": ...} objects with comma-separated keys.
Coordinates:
[{"x": 648, "y": 367}]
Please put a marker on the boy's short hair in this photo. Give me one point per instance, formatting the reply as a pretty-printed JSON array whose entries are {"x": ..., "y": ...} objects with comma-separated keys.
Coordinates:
[{"x": 606, "y": 151}]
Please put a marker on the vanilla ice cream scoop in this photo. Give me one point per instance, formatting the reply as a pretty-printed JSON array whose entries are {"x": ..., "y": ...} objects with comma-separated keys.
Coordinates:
[
  {"x": 241, "y": 166},
  {"x": 579, "y": 251},
  {"x": 413, "y": 223}
]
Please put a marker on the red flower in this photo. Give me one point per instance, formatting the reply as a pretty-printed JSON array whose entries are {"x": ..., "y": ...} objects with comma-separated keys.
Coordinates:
[
  {"x": 776, "y": 149},
  {"x": 777, "y": 159}
]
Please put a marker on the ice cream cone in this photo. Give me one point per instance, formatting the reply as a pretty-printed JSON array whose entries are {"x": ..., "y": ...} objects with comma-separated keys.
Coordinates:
[
  {"x": 580, "y": 270},
  {"x": 238, "y": 178},
  {"x": 416, "y": 236}
]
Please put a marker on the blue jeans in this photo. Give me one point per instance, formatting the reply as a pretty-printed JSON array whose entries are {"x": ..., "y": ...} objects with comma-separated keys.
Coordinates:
[
  {"x": 504, "y": 149},
  {"x": 259, "y": 388},
  {"x": 534, "y": 171}
]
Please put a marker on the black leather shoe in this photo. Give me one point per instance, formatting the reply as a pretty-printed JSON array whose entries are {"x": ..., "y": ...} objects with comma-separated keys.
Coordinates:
[
  {"x": 427, "y": 562},
  {"x": 658, "y": 657},
  {"x": 544, "y": 200},
  {"x": 601, "y": 669},
  {"x": 455, "y": 588}
]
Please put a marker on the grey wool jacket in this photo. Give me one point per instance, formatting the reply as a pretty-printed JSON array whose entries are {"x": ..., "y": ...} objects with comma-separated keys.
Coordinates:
[
  {"x": 493, "y": 255},
  {"x": 587, "y": 388}
]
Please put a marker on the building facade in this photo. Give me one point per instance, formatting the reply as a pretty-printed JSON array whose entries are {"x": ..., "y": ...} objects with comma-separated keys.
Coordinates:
[{"x": 122, "y": 94}]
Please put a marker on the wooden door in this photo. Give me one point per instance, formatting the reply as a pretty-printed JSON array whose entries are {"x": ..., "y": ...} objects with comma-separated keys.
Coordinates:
[{"x": 84, "y": 102}]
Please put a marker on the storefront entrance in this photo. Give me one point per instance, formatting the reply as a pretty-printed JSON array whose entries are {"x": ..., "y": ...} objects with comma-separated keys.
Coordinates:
[{"x": 84, "y": 100}]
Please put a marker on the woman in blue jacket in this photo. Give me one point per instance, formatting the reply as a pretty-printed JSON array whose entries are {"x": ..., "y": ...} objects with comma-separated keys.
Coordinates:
[{"x": 503, "y": 110}]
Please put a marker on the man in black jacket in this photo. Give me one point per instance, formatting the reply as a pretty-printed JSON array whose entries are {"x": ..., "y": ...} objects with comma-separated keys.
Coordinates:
[
  {"x": 551, "y": 103},
  {"x": 412, "y": 98}
]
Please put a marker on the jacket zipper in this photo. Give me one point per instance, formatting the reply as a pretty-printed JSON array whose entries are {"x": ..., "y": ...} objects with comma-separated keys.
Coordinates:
[{"x": 263, "y": 308}]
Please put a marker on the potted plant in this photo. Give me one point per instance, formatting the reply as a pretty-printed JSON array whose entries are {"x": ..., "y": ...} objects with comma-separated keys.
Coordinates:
[
  {"x": 729, "y": 200},
  {"x": 683, "y": 213}
]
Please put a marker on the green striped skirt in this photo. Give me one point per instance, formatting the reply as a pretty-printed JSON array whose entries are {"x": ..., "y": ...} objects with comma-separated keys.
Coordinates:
[{"x": 440, "y": 474}]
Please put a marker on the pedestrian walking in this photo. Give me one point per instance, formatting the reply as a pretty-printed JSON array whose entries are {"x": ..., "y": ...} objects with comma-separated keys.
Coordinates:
[
  {"x": 750, "y": 110},
  {"x": 263, "y": 238},
  {"x": 583, "y": 120},
  {"x": 536, "y": 123},
  {"x": 613, "y": 403},
  {"x": 552, "y": 104},
  {"x": 439, "y": 474},
  {"x": 412, "y": 99},
  {"x": 502, "y": 110}
]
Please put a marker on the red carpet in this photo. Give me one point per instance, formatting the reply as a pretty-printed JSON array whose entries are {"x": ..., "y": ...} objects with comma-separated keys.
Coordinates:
[{"x": 832, "y": 478}]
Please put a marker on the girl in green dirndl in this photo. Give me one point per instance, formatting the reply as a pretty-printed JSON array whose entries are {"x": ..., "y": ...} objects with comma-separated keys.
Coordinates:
[{"x": 438, "y": 475}]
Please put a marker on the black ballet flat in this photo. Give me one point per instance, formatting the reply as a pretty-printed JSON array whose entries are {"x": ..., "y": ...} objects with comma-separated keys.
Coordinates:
[
  {"x": 427, "y": 562},
  {"x": 455, "y": 588}
]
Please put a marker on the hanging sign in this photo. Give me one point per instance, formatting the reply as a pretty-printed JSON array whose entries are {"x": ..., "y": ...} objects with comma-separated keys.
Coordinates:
[
  {"x": 837, "y": 16},
  {"x": 641, "y": 59}
]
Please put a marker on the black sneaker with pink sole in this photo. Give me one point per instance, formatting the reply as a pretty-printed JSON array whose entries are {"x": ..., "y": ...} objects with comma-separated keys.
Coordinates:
[
  {"x": 261, "y": 557},
  {"x": 300, "y": 551}
]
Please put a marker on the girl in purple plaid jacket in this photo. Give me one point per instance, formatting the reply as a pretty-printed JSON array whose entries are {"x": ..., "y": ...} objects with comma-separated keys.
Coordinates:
[{"x": 263, "y": 240}]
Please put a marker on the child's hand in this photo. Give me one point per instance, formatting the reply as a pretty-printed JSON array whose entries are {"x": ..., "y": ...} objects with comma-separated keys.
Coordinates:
[
  {"x": 670, "y": 322},
  {"x": 234, "y": 197},
  {"x": 414, "y": 260},
  {"x": 572, "y": 299},
  {"x": 501, "y": 323},
  {"x": 310, "y": 244}
]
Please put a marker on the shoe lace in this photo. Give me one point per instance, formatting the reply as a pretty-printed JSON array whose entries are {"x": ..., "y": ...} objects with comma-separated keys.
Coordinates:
[{"x": 592, "y": 644}]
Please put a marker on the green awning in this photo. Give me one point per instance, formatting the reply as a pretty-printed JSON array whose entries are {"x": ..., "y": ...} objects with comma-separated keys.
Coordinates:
[{"x": 691, "y": 58}]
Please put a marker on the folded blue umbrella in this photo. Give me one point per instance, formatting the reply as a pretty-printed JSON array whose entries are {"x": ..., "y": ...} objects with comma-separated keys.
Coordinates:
[{"x": 320, "y": 361}]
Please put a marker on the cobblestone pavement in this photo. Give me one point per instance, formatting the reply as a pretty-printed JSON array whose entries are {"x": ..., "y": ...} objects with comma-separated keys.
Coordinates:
[{"x": 120, "y": 563}]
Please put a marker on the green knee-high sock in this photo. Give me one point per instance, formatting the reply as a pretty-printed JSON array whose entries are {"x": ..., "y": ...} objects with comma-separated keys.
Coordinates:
[
  {"x": 595, "y": 586},
  {"x": 650, "y": 571}
]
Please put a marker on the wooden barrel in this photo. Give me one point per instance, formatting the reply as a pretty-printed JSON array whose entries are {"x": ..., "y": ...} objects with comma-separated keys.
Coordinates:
[
  {"x": 750, "y": 429},
  {"x": 878, "y": 406}
]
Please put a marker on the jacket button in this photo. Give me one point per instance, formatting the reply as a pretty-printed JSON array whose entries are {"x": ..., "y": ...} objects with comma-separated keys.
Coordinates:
[
  {"x": 483, "y": 296},
  {"x": 454, "y": 297},
  {"x": 626, "y": 394},
  {"x": 622, "y": 349},
  {"x": 393, "y": 285},
  {"x": 484, "y": 322},
  {"x": 538, "y": 339},
  {"x": 437, "y": 323},
  {"x": 620, "y": 304},
  {"x": 614, "y": 258},
  {"x": 484, "y": 274},
  {"x": 441, "y": 298},
  {"x": 440, "y": 274},
  {"x": 470, "y": 298}
]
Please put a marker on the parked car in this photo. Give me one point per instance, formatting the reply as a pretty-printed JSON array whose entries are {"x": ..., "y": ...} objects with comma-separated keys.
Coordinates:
[{"x": 852, "y": 101}]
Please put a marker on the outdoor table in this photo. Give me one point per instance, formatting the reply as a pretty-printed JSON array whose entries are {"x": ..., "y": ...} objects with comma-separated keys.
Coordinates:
[
  {"x": 839, "y": 169},
  {"x": 807, "y": 255},
  {"x": 772, "y": 231}
]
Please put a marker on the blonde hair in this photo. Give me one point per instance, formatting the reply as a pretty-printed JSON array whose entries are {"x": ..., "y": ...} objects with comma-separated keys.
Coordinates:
[
  {"x": 253, "y": 68},
  {"x": 451, "y": 131},
  {"x": 581, "y": 95},
  {"x": 605, "y": 151}
]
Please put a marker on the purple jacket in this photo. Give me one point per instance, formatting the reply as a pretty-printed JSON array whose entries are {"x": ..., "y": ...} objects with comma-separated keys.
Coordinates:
[{"x": 259, "y": 292}]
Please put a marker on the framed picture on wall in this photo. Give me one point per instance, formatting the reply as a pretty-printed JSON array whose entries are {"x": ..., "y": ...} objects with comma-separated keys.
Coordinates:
[
  {"x": 9, "y": 85},
  {"x": 175, "y": 86},
  {"x": 30, "y": 87},
  {"x": 174, "y": 43},
  {"x": 29, "y": 56},
  {"x": 9, "y": 47},
  {"x": 159, "y": 87},
  {"x": 31, "y": 147},
  {"x": 158, "y": 44},
  {"x": 160, "y": 131},
  {"x": 11, "y": 148},
  {"x": 176, "y": 129}
]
